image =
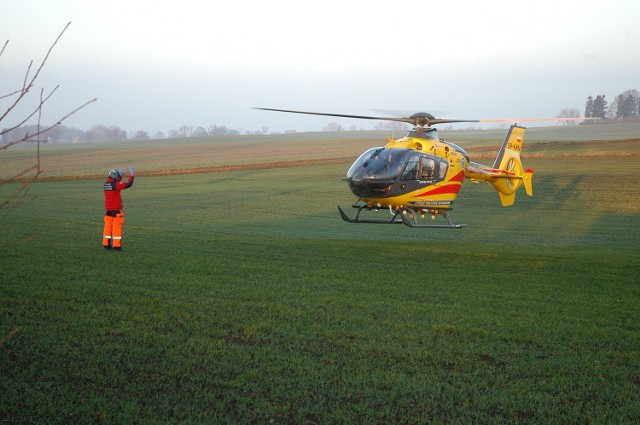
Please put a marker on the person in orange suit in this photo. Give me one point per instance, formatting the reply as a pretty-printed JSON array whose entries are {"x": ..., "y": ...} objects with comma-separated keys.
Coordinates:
[{"x": 114, "y": 217}]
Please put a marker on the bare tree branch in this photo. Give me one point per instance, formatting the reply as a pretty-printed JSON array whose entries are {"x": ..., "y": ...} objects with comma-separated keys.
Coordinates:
[
  {"x": 27, "y": 86},
  {"x": 10, "y": 94},
  {"x": 39, "y": 108},
  {"x": 25, "y": 89},
  {"x": 17, "y": 202},
  {"x": 39, "y": 122},
  {"x": 17, "y": 192},
  {"x": 20, "y": 174},
  {"x": 30, "y": 136}
]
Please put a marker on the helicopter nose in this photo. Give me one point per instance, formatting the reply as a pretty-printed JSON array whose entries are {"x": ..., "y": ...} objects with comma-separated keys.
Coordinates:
[
  {"x": 358, "y": 188},
  {"x": 367, "y": 187}
]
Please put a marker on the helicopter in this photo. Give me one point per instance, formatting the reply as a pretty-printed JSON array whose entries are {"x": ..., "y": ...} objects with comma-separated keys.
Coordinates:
[{"x": 418, "y": 177}]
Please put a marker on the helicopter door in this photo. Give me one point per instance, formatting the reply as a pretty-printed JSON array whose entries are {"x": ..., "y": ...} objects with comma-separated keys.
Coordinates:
[
  {"x": 410, "y": 174},
  {"x": 427, "y": 170},
  {"x": 420, "y": 171},
  {"x": 412, "y": 168}
]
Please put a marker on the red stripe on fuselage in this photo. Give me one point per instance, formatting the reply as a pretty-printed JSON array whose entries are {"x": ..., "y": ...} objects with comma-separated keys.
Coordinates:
[
  {"x": 450, "y": 188},
  {"x": 458, "y": 177}
]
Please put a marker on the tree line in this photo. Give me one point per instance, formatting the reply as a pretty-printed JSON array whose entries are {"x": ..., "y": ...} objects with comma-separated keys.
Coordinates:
[
  {"x": 112, "y": 133},
  {"x": 625, "y": 106}
]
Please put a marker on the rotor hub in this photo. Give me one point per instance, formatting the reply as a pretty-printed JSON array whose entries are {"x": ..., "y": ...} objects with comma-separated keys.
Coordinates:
[{"x": 420, "y": 119}]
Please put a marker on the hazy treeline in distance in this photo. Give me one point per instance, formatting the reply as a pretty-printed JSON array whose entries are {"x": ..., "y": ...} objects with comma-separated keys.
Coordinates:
[{"x": 625, "y": 107}]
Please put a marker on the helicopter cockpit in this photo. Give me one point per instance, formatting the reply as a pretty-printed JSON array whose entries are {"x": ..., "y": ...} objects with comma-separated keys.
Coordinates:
[
  {"x": 377, "y": 170},
  {"x": 378, "y": 164}
]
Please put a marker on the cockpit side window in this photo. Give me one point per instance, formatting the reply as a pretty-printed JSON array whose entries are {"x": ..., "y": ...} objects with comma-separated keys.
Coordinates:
[
  {"x": 428, "y": 169},
  {"x": 411, "y": 170},
  {"x": 442, "y": 169}
]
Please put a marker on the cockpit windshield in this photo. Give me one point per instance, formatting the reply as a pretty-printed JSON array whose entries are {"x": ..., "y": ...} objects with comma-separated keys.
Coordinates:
[{"x": 379, "y": 164}]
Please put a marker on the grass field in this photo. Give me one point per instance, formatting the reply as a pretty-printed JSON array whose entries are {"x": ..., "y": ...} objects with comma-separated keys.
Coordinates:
[
  {"x": 209, "y": 153},
  {"x": 243, "y": 298}
]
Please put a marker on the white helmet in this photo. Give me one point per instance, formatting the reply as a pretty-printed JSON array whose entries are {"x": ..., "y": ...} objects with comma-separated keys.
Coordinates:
[{"x": 114, "y": 174}]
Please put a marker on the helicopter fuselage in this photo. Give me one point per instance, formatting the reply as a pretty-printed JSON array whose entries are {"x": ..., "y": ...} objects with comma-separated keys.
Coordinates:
[
  {"x": 421, "y": 174},
  {"x": 418, "y": 171}
]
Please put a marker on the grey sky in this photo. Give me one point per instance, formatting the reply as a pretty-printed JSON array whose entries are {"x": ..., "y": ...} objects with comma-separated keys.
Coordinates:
[{"x": 159, "y": 65}]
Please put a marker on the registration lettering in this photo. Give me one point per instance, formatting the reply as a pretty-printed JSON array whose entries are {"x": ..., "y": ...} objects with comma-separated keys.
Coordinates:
[{"x": 514, "y": 146}]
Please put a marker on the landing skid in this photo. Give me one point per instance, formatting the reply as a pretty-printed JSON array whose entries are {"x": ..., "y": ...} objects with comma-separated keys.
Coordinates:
[
  {"x": 406, "y": 216},
  {"x": 357, "y": 219},
  {"x": 415, "y": 219}
]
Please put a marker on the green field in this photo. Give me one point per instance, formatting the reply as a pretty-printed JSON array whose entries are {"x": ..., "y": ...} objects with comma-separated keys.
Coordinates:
[
  {"x": 243, "y": 298},
  {"x": 156, "y": 156}
]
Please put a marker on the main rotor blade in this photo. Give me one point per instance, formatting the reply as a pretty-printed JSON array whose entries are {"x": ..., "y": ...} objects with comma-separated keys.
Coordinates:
[
  {"x": 362, "y": 117},
  {"x": 447, "y": 121},
  {"x": 536, "y": 119},
  {"x": 415, "y": 120}
]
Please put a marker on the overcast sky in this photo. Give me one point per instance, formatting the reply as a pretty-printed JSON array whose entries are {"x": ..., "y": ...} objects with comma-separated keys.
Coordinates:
[{"x": 156, "y": 65}]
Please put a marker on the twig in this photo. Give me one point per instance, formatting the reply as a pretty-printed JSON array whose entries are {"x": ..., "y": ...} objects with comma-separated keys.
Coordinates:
[
  {"x": 23, "y": 187},
  {"x": 39, "y": 108},
  {"x": 17, "y": 176},
  {"x": 27, "y": 86},
  {"x": 39, "y": 121},
  {"x": 9, "y": 94},
  {"x": 29, "y": 136},
  {"x": 18, "y": 202}
]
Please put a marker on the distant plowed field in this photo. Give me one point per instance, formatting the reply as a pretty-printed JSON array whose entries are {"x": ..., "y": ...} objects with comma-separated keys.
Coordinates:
[{"x": 225, "y": 153}]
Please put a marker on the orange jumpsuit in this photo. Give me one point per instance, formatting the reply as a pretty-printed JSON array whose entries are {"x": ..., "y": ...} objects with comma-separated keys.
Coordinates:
[{"x": 114, "y": 217}]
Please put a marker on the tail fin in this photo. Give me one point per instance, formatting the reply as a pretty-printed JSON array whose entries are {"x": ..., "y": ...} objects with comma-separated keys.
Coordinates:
[
  {"x": 508, "y": 166},
  {"x": 511, "y": 147}
]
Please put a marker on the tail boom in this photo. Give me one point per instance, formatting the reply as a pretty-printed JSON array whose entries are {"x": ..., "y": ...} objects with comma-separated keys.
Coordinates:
[{"x": 507, "y": 173}]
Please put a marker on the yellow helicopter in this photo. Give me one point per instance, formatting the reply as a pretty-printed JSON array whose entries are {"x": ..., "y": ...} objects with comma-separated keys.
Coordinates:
[{"x": 418, "y": 177}]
